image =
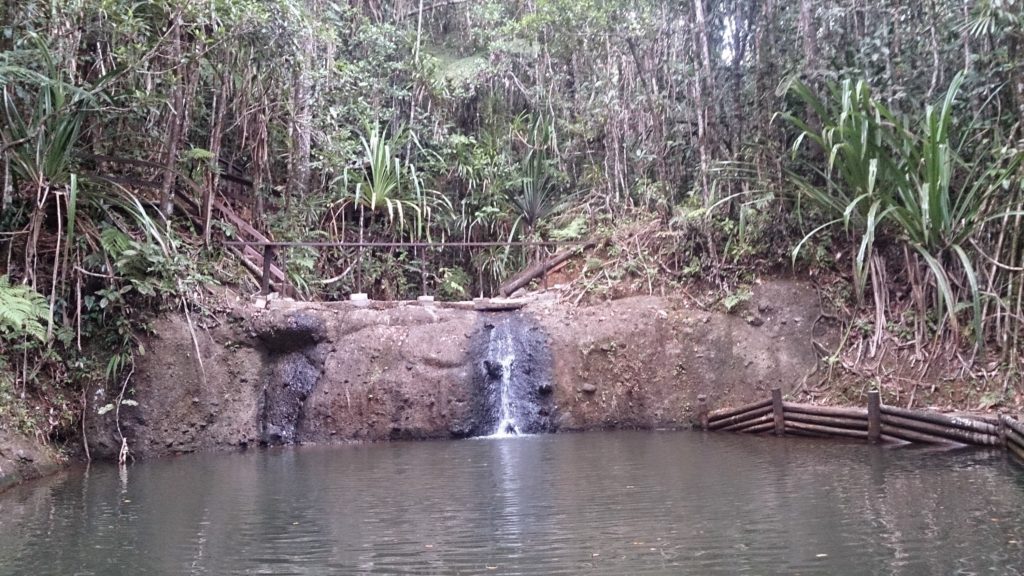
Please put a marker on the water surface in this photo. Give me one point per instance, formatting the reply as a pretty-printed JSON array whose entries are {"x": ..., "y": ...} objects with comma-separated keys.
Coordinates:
[{"x": 597, "y": 503}]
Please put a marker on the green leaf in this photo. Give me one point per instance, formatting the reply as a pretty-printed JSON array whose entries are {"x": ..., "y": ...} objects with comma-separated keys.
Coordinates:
[{"x": 23, "y": 312}]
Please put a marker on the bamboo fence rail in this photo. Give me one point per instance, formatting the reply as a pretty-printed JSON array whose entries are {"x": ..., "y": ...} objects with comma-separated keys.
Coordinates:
[{"x": 875, "y": 423}]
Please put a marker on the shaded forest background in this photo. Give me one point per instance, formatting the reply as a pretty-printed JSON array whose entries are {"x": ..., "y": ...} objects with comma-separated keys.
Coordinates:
[{"x": 871, "y": 146}]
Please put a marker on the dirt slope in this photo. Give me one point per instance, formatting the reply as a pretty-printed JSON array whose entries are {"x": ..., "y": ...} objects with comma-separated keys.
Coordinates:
[{"x": 306, "y": 372}]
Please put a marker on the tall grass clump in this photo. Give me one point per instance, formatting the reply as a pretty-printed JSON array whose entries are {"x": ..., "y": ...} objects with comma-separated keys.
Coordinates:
[{"x": 930, "y": 203}]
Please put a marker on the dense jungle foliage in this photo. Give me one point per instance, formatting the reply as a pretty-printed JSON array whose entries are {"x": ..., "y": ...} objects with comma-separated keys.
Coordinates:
[{"x": 873, "y": 146}]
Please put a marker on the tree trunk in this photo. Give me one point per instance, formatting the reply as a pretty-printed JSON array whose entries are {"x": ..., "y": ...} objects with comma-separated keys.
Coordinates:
[
  {"x": 174, "y": 118},
  {"x": 704, "y": 98},
  {"x": 301, "y": 122},
  {"x": 216, "y": 136},
  {"x": 810, "y": 37},
  {"x": 764, "y": 93},
  {"x": 741, "y": 30}
]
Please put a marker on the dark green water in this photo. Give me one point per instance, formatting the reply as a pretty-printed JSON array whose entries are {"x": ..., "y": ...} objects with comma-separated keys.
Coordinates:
[{"x": 598, "y": 503}]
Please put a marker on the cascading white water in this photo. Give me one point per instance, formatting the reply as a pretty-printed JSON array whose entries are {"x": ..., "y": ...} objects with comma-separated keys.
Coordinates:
[
  {"x": 515, "y": 391},
  {"x": 501, "y": 349}
]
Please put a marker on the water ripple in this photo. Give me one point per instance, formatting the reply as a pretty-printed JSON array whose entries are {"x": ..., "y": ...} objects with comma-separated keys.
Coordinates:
[{"x": 602, "y": 503}]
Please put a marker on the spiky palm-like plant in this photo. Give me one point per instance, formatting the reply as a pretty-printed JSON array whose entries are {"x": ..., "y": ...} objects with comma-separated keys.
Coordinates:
[{"x": 887, "y": 175}]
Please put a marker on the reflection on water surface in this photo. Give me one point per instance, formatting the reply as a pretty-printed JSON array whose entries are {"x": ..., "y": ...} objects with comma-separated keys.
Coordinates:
[{"x": 598, "y": 503}]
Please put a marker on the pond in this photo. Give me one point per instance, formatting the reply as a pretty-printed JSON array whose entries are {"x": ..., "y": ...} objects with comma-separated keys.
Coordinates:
[{"x": 596, "y": 503}]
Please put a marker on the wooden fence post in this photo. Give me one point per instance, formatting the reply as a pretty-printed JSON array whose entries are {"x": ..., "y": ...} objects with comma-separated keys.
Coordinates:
[
  {"x": 702, "y": 411},
  {"x": 780, "y": 420},
  {"x": 874, "y": 416},
  {"x": 1002, "y": 431},
  {"x": 268, "y": 261}
]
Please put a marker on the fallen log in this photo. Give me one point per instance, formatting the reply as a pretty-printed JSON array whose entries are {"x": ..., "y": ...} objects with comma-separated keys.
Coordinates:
[
  {"x": 790, "y": 431},
  {"x": 1013, "y": 425},
  {"x": 992, "y": 419},
  {"x": 912, "y": 436},
  {"x": 766, "y": 427},
  {"x": 1016, "y": 450},
  {"x": 1016, "y": 439},
  {"x": 497, "y": 304},
  {"x": 538, "y": 269}
]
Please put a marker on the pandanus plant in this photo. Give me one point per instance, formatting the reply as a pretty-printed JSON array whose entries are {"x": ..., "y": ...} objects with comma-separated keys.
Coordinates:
[
  {"x": 907, "y": 180},
  {"x": 385, "y": 183},
  {"x": 42, "y": 115},
  {"x": 38, "y": 135},
  {"x": 537, "y": 195}
]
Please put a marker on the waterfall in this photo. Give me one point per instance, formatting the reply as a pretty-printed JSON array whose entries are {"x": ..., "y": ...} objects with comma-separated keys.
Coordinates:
[
  {"x": 503, "y": 356},
  {"x": 514, "y": 377}
]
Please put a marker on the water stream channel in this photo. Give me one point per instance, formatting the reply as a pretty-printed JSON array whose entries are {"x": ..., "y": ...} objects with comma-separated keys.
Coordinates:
[{"x": 594, "y": 503}]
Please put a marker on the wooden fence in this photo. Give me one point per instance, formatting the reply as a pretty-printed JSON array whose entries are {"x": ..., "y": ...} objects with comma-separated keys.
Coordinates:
[{"x": 875, "y": 423}]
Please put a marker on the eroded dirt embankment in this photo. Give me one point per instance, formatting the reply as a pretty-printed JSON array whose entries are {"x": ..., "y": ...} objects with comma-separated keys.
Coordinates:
[
  {"x": 23, "y": 459},
  {"x": 302, "y": 372}
]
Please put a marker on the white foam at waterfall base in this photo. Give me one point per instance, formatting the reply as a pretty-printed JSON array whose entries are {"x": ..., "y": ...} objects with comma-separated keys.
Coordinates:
[{"x": 501, "y": 348}]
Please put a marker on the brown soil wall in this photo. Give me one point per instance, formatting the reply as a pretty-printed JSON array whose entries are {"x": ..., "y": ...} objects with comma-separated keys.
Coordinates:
[{"x": 322, "y": 373}]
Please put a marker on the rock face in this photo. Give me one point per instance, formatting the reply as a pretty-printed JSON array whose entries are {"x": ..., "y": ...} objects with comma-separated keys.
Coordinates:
[
  {"x": 293, "y": 359},
  {"x": 23, "y": 459},
  {"x": 514, "y": 375},
  {"x": 309, "y": 372},
  {"x": 641, "y": 362}
]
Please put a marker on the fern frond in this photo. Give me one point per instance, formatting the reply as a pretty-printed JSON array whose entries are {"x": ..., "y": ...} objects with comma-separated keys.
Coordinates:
[{"x": 23, "y": 311}]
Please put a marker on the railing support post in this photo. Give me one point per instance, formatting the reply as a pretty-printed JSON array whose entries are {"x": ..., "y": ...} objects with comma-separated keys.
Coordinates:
[
  {"x": 423, "y": 271},
  {"x": 780, "y": 419},
  {"x": 268, "y": 262},
  {"x": 359, "y": 269},
  {"x": 874, "y": 416}
]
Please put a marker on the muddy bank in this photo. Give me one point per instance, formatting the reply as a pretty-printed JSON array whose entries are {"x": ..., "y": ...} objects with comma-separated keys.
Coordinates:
[
  {"x": 641, "y": 362},
  {"x": 24, "y": 459},
  {"x": 320, "y": 373}
]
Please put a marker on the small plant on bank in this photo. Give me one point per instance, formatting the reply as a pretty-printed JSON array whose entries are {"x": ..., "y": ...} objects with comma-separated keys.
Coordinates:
[
  {"x": 733, "y": 300},
  {"x": 453, "y": 283},
  {"x": 23, "y": 312}
]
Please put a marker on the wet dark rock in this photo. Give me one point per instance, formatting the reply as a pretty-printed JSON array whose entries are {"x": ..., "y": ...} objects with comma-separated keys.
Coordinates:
[
  {"x": 292, "y": 370},
  {"x": 462, "y": 429},
  {"x": 513, "y": 341},
  {"x": 299, "y": 331},
  {"x": 494, "y": 369}
]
